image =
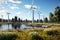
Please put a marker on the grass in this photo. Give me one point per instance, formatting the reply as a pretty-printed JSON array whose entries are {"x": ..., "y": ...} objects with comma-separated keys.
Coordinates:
[
  {"x": 45, "y": 24},
  {"x": 24, "y": 34},
  {"x": 8, "y": 36}
]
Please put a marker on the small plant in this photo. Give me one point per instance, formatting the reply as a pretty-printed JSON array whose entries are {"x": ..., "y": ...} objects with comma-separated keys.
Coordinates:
[
  {"x": 35, "y": 36},
  {"x": 50, "y": 32},
  {"x": 7, "y": 36}
]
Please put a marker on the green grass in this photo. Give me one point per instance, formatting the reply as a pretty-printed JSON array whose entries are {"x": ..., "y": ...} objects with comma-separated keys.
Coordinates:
[
  {"x": 52, "y": 33},
  {"x": 24, "y": 34},
  {"x": 8, "y": 36}
]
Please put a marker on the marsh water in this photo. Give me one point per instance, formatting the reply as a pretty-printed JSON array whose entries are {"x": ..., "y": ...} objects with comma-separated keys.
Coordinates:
[{"x": 10, "y": 26}]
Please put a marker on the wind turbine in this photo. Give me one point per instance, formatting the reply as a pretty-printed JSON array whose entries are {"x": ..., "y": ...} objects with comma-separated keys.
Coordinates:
[
  {"x": 32, "y": 7},
  {"x": 2, "y": 17},
  {"x": 8, "y": 19},
  {"x": 39, "y": 13}
]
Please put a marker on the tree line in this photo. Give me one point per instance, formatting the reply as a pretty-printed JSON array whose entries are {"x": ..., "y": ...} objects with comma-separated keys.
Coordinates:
[{"x": 55, "y": 17}]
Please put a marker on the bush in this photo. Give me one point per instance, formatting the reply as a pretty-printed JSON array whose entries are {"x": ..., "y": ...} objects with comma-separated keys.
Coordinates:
[
  {"x": 35, "y": 36},
  {"x": 50, "y": 32},
  {"x": 8, "y": 36}
]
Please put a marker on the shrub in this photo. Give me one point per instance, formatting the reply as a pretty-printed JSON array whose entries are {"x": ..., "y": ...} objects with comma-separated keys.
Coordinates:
[
  {"x": 7, "y": 36},
  {"x": 50, "y": 32},
  {"x": 35, "y": 36}
]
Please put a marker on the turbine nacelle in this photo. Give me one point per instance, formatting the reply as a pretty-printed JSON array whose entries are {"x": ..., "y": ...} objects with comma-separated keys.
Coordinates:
[{"x": 33, "y": 7}]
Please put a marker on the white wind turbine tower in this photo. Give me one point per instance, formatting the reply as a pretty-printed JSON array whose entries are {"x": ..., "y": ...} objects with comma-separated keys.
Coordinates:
[
  {"x": 32, "y": 7},
  {"x": 8, "y": 19},
  {"x": 39, "y": 13}
]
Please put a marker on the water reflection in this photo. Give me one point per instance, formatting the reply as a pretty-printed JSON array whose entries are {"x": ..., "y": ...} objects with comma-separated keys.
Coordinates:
[
  {"x": 6, "y": 26},
  {"x": 0, "y": 26},
  {"x": 16, "y": 25},
  {"x": 23, "y": 26}
]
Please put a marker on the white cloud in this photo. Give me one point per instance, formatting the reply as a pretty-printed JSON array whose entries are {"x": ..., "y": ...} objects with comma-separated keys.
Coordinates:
[
  {"x": 3, "y": 11},
  {"x": 11, "y": 0},
  {"x": 19, "y": 13},
  {"x": 17, "y": 2},
  {"x": 14, "y": 7},
  {"x": 6, "y": 2},
  {"x": 1, "y": 7},
  {"x": 29, "y": 6},
  {"x": 3, "y": 1}
]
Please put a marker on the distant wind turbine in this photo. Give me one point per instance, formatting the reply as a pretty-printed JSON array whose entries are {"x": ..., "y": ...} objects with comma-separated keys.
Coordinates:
[
  {"x": 32, "y": 7},
  {"x": 2, "y": 17},
  {"x": 8, "y": 19},
  {"x": 39, "y": 15}
]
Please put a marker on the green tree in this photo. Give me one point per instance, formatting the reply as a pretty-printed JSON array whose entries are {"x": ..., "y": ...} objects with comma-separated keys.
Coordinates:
[
  {"x": 12, "y": 19},
  {"x": 41, "y": 20},
  {"x": 37, "y": 20},
  {"x": 0, "y": 20},
  {"x": 57, "y": 13},
  {"x": 15, "y": 18},
  {"x": 51, "y": 17},
  {"x": 46, "y": 19},
  {"x": 18, "y": 19},
  {"x": 55, "y": 19},
  {"x": 26, "y": 20}
]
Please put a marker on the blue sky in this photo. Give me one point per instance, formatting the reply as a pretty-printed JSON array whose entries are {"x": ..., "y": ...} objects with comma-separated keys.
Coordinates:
[{"x": 22, "y": 8}]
